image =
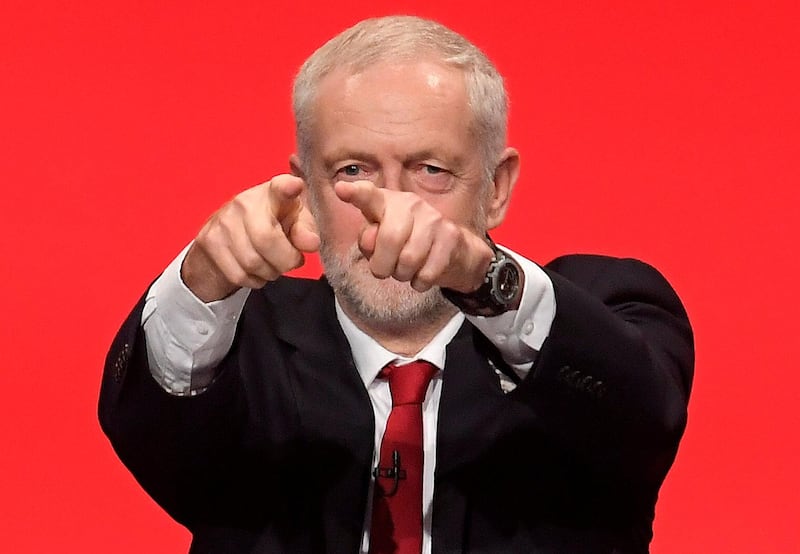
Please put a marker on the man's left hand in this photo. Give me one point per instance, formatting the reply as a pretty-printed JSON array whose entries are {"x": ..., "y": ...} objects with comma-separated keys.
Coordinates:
[{"x": 408, "y": 239}]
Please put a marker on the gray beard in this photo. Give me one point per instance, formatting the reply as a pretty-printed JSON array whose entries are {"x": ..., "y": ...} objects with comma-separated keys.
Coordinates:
[{"x": 387, "y": 303}]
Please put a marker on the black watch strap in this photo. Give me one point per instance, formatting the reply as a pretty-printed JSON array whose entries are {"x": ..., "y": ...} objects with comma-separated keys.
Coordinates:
[{"x": 499, "y": 291}]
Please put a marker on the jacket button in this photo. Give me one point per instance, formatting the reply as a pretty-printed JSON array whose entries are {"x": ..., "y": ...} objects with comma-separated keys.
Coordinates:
[
  {"x": 573, "y": 378},
  {"x": 121, "y": 363},
  {"x": 599, "y": 389}
]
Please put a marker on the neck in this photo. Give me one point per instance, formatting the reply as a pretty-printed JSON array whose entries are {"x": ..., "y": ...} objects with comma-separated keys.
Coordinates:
[{"x": 402, "y": 337}]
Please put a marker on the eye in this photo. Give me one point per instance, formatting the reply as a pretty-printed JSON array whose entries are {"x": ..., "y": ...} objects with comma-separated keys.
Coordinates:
[
  {"x": 433, "y": 178},
  {"x": 433, "y": 170},
  {"x": 350, "y": 170}
]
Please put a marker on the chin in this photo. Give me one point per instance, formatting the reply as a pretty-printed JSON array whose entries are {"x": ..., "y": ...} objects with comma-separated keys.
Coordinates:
[{"x": 385, "y": 302}]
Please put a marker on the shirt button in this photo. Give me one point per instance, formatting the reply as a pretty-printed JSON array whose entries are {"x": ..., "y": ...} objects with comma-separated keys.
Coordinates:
[
  {"x": 500, "y": 339},
  {"x": 528, "y": 327},
  {"x": 202, "y": 329}
]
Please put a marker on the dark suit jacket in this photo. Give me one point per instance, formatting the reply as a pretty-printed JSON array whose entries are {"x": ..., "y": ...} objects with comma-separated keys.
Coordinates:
[{"x": 275, "y": 456}]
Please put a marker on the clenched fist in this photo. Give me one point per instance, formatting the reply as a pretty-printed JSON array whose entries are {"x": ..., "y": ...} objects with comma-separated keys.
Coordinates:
[{"x": 256, "y": 237}]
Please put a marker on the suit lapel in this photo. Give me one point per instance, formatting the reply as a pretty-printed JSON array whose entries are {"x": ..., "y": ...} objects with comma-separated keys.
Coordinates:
[
  {"x": 340, "y": 435},
  {"x": 468, "y": 412},
  {"x": 335, "y": 414}
]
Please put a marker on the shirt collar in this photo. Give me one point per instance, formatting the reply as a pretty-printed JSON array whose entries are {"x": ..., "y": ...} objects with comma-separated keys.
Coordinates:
[{"x": 370, "y": 357}]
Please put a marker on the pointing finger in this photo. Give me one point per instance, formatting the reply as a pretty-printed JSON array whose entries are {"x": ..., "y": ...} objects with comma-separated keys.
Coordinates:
[
  {"x": 365, "y": 196},
  {"x": 284, "y": 193}
]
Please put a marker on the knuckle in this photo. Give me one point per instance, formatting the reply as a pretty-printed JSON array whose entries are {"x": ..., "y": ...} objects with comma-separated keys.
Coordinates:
[
  {"x": 226, "y": 225},
  {"x": 378, "y": 269},
  {"x": 391, "y": 237},
  {"x": 211, "y": 241},
  {"x": 420, "y": 285},
  {"x": 298, "y": 259},
  {"x": 254, "y": 283},
  {"x": 203, "y": 239},
  {"x": 290, "y": 261},
  {"x": 267, "y": 276},
  {"x": 437, "y": 218},
  {"x": 409, "y": 259},
  {"x": 252, "y": 263},
  {"x": 296, "y": 263},
  {"x": 238, "y": 203},
  {"x": 426, "y": 277},
  {"x": 237, "y": 276},
  {"x": 403, "y": 273},
  {"x": 262, "y": 234},
  {"x": 486, "y": 257},
  {"x": 448, "y": 231},
  {"x": 413, "y": 200},
  {"x": 276, "y": 181}
]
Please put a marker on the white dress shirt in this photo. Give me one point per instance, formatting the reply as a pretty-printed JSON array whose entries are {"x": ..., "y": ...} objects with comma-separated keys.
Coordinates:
[{"x": 187, "y": 338}]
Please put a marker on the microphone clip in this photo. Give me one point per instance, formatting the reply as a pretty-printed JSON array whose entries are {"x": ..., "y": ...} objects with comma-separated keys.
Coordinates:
[{"x": 395, "y": 473}]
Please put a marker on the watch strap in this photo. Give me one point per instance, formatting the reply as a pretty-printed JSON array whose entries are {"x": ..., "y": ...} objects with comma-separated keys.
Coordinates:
[{"x": 483, "y": 301}]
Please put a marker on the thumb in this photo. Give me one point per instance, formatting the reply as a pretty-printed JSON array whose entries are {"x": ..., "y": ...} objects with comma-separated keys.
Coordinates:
[
  {"x": 302, "y": 232},
  {"x": 367, "y": 240}
]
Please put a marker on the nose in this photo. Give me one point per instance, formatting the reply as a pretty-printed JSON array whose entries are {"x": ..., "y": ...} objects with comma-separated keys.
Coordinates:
[{"x": 394, "y": 179}]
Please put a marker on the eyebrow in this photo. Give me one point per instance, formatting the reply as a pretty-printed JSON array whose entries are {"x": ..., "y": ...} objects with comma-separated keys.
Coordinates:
[
  {"x": 330, "y": 160},
  {"x": 335, "y": 157},
  {"x": 455, "y": 162}
]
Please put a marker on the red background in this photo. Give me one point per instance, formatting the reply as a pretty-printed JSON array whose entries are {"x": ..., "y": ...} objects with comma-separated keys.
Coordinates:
[{"x": 666, "y": 131}]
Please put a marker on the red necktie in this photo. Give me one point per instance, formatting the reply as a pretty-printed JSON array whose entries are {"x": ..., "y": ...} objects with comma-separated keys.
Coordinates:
[{"x": 397, "y": 503}]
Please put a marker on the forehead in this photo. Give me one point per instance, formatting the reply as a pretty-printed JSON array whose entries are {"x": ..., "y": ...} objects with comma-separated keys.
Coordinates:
[
  {"x": 419, "y": 101},
  {"x": 426, "y": 71}
]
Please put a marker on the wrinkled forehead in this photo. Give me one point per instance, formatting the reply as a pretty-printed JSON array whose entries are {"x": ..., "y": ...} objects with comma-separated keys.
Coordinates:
[
  {"x": 399, "y": 112},
  {"x": 425, "y": 81}
]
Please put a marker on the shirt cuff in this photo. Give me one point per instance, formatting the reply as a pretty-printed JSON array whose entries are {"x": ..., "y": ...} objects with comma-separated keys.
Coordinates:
[
  {"x": 187, "y": 338},
  {"x": 520, "y": 334}
]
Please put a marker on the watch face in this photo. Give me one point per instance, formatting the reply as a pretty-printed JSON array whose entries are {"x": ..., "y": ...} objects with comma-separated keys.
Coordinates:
[{"x": 507, "y": 282}]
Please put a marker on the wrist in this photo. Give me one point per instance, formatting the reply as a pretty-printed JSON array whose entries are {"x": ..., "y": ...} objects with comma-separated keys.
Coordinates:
[
  {"x": 202, "y": 277},
  {"x": 499, "y": 292}
]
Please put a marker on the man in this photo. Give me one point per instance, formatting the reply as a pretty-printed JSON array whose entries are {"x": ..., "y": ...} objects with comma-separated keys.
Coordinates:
[{"x": 265, "y": 412}]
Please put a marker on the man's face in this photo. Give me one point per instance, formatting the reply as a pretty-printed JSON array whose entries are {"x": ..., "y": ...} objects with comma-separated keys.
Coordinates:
[{"x": 405, "y": 127}]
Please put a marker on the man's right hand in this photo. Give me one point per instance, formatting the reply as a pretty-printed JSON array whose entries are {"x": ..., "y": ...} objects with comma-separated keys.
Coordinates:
[{"x": 253, "y": 239}]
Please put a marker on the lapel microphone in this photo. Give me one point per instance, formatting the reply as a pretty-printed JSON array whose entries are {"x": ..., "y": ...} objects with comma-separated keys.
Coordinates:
[{"x": 395, "y": 473}]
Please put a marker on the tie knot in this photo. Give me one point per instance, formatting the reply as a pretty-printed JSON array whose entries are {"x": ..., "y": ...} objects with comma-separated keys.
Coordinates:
[{"x": 408, "y": 382}]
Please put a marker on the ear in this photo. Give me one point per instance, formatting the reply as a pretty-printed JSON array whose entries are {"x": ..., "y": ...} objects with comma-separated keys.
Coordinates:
[
  {"x": 499, "y": 197},
  {"x": 296, "y": 167}
]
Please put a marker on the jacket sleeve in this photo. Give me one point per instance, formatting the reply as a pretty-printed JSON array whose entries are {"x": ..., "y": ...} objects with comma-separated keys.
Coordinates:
[
  {"x": 172, "y": 444},
  {"x": 612, "y": 380}
]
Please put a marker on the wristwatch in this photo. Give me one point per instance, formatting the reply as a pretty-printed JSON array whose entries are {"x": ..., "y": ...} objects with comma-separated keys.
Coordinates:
[{"x": 500, "y": 290}]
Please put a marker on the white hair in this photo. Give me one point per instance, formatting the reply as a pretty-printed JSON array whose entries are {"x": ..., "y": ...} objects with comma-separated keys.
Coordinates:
[{"x": 406, "y": 38}]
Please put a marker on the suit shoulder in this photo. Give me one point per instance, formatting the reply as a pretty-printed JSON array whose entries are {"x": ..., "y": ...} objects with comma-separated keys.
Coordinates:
[
  {"x": 588, "y": 268},
  {"x": 616, "y": 280}
]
